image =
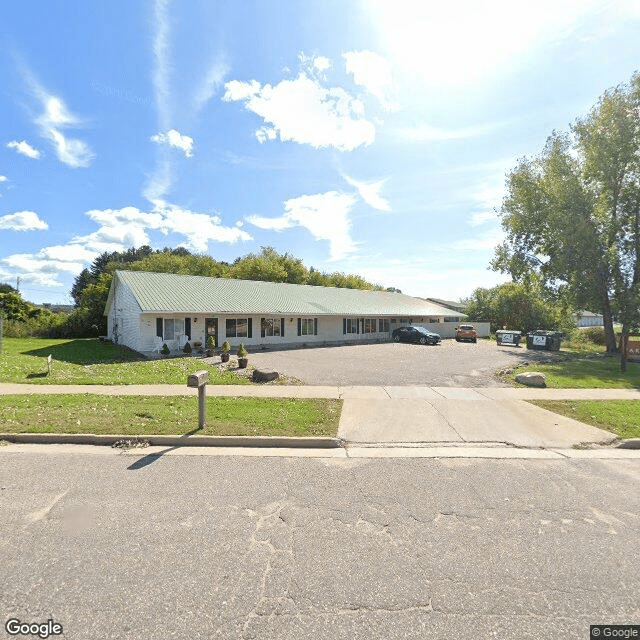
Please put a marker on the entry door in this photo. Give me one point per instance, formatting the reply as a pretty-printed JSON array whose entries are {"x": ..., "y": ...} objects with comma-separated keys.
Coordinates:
[{"x": 211, "y": 329}]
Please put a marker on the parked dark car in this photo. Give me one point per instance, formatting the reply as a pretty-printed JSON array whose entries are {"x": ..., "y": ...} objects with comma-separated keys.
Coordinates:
[{"x": 415, "y": 334}]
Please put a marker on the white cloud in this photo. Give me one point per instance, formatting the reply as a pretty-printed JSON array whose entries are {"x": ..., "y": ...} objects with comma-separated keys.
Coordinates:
[
  {"x": 3, "y": 178},
  {"x": 481, "y": 217},
  {"x": 484, "y": 242},
  {"x": 175, "y": 139},
  {"x": 23, "y": 221},
  {"x": 161, "y": 62},
  {"x": 304, "y": 111},
  {"x": 213, "y": 81},
  {"x": 24, "y": 148},
  {"x": 370, "y": 193},
  {"x": 118, "y": 230},
  {"x": 324, "y": 215},
  {"x": 54, "y": 119},
  {"x": 459, "y": 43},
  {"x": 371, "y": 71},
  {"x": 321, "y": 63},
  {"x": 159, "y": 183},
  {"x": 425, "y": 132}
]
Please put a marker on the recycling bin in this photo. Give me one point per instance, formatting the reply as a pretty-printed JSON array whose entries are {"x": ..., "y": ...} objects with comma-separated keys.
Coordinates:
[
  {"x": 507, "y": 337},
  {"x": 544, "y": 340}
]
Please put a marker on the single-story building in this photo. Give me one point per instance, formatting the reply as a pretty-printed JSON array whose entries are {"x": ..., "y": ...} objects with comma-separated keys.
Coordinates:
[
  {"x": 146, "y": 310},
  {"x": 589, "y": 319}
]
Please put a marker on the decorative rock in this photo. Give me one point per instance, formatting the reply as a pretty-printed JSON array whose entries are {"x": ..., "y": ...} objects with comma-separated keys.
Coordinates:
[
  {"x": 532, "y": 379},
  {"x": 265, "y": 376}
]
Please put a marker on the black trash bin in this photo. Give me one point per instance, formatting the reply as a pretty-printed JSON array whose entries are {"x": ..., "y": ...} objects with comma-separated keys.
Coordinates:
[
  {"x": 544, "y": 340},
  {"x": 508, "y": 337}
]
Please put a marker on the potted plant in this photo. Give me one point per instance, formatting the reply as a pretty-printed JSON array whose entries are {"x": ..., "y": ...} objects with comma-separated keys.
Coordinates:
[
  {"x": 197, "y": 345},
  {"x": 165, "y": 350},
  {"x": 224, "y": 352},
  {"x": 210, "y": 351},
  {"x": 187, "y": 348},
  {"x": 243, "y": 360}
]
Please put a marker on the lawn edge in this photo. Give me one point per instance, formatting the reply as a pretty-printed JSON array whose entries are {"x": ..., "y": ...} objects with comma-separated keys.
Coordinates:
[{"x": 309, "y": 442}]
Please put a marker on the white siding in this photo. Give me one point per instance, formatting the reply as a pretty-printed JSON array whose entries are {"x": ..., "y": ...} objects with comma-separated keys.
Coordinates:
[{"x": 123, "y": 322}]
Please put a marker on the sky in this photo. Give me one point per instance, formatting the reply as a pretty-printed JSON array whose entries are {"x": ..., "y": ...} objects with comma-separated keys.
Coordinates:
[{"x": 366, "y": 137}]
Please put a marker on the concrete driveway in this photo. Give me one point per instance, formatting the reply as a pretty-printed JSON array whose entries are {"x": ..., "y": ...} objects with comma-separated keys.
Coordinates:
[{"x": 449, "y": 364}]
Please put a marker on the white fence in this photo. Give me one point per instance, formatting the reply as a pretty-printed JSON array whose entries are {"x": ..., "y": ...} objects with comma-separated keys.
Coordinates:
[{"x": 448, "y": 329}]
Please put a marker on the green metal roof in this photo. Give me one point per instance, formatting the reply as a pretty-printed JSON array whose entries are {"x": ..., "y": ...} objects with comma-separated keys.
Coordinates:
[{"x": 170, "y": 293}]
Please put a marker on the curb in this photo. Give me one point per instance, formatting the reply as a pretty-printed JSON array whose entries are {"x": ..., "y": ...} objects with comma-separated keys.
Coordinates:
[
  {"x": 175, "y": 441},
  {"x": 632, "y": 443}
]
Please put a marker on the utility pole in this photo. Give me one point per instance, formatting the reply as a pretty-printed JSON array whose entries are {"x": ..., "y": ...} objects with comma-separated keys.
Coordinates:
[{"x": 18, "y": 284}]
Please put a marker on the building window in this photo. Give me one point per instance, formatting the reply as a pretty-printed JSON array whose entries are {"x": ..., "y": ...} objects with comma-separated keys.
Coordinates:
[
  {"x": 368, "y": 325},
  {"x": 238, "y": 328},
  {"x": 272, "y": 327},
  {"x": 169, "y": 328},
  {"x": 383, "y": 325},
  {"x": 307, "y": 326},
  {"x": 350, "y": 325}
]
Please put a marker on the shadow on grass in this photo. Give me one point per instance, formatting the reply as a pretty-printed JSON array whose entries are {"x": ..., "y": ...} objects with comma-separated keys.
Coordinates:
[
  {"x": 31, "y": 376},
  {"x": 145, "y": 461},
  {"x": 88, "y": 351}
]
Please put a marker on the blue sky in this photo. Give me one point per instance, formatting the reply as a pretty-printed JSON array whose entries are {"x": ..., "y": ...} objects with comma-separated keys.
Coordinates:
[{"x": 367, "y": 137}]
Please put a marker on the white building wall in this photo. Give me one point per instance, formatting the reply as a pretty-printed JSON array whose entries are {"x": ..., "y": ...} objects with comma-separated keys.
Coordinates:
[{"x": 123, "y": 321}]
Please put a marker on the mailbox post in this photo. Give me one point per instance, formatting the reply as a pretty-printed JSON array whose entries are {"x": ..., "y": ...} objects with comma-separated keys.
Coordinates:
[{"x": 199, "y": 379}]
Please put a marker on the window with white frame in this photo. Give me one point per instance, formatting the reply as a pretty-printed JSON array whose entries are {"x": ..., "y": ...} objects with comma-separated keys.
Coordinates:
[
  {"x": 368, "y": 325},
  {"x": 307, "y": 326},
  {"x": 351, "y": 325},
  {"x": 169, "y": 328},
  {"x": 272, "y": 326},
  {"x": 238, "y": 327},
  {"x": 383, "y": 325}
]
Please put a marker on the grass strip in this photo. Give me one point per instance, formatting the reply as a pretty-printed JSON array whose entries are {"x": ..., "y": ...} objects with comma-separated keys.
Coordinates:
[
  {"x": 596, "y": 372},
  {"x": 145, "y": 415},
  {"x": 89, "y": 361},
  {"x": 621, "y": 417}
]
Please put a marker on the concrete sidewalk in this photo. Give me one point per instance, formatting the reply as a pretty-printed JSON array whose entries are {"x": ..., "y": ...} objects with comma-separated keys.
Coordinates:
[
  {"x": 410, "y": 415},
  {"x": 337, "y": 392}
]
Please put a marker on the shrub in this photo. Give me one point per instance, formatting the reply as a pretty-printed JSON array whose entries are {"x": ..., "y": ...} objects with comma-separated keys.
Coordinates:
[
  {"x": 594, "y": 335},
  {"x": 226, "y": 346},
  {"x": 242, "y": 352},
  {"x": 165, "y": 350},
  {"x": 187, "y": 348}
]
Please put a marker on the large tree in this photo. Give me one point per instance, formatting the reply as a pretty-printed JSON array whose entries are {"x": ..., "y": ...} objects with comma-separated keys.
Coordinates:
[
  {"x": 519, "y": 306},
  {"x": 572, "y": 213}
]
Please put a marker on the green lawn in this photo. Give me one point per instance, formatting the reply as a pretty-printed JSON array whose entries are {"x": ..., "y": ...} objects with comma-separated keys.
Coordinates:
[
  {"x": 621, "y": 417},
  {"x": 144, "y": 415},
  {"x": 596, "y": 371},
  {"x": 89, "y": 361}
]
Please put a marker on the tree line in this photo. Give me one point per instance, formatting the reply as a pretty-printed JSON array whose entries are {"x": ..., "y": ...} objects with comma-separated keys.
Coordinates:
[{"x": 90, "y": 288}]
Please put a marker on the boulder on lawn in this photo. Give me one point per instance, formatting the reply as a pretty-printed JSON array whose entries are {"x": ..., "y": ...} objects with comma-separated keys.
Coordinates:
[
  {"x": 532, "y": 379},
  {"x": 265, "y": 376}
]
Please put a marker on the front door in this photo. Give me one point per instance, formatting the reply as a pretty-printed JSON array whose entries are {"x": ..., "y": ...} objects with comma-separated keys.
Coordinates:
[{"x": 211, "y": 329}]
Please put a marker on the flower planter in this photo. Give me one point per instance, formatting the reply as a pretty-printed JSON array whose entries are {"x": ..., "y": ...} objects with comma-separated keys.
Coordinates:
[
  {"x": 224, "y": 356},
  {"x": 210, "y": 353},
  {"x": 242, "y": 363}
]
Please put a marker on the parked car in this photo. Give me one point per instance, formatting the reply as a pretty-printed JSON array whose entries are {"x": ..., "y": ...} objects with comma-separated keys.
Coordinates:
[
  {"x": 415, "y": 334},
  {"x": 466, "y": 332}
]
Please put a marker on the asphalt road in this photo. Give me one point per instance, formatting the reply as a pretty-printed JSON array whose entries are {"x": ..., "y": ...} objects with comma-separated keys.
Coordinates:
[
  {"x": 128, "y": 546},
  {"x": 449, "y": 364}
]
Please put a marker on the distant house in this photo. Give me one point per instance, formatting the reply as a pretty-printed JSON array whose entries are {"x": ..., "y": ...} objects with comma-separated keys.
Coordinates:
[
  {"x": 589, "y": 319},
  {"x": 457, "y": 307},
  {"x": 147, "y": 309}
]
